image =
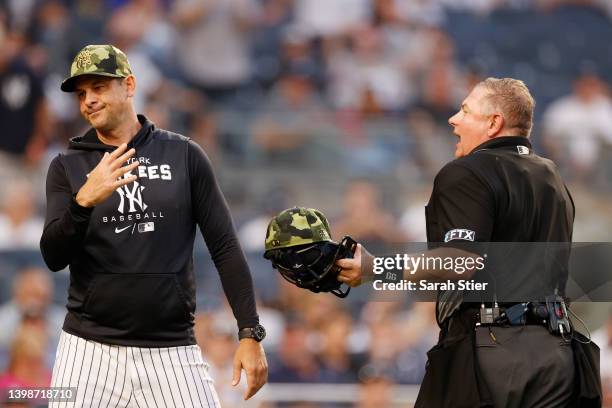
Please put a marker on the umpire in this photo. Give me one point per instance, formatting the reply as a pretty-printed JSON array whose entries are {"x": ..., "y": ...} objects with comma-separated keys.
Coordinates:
[
  {"x": 497, "y": 190},
  {"x": 122, "y": 209}
]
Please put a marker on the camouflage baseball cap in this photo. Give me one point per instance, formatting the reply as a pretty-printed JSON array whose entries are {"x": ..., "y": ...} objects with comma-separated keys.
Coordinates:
[
  {"x": 105, "y": 60},
  {"x": 297, "y": 226}
]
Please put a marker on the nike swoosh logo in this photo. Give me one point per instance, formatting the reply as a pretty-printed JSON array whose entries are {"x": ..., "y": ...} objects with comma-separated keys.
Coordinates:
[{"x": 118, "y": 230}]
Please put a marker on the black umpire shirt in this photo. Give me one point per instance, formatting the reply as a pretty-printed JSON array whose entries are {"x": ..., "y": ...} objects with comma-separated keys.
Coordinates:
[
  {"x": 130, "y": 257},
  {"x": 487, "y": 201}
]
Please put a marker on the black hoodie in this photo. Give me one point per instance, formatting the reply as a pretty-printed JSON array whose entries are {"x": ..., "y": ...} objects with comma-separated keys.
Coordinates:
[{"x": 131, "y": 256}]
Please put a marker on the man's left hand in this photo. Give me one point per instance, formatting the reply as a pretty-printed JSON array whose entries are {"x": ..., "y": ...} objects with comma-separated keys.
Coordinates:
[{"x": 251, "y": 357}]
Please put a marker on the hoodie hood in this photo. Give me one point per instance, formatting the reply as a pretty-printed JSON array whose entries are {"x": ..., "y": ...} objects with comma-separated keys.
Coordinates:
[{"x": 90, "y": 141}]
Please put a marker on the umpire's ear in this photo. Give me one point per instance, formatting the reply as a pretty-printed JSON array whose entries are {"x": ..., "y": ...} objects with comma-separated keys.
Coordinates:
[{"x": 496, "y": 125}]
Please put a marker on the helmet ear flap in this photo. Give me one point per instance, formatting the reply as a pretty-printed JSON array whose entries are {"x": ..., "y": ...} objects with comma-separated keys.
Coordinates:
[
  {"x": 281, "y": 258},
  {"x": 272, "y": 255}
]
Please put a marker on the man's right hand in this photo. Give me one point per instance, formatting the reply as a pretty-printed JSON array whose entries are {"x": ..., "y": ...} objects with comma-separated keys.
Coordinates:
[{"x": 104, "y": 178}]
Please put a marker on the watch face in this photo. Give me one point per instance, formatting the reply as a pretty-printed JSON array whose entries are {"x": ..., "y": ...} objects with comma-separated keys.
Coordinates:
[{"x": 259, "y": 332}]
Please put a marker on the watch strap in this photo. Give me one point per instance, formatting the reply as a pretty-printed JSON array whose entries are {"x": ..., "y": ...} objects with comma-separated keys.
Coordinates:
[{"x": 256, "y": 333}]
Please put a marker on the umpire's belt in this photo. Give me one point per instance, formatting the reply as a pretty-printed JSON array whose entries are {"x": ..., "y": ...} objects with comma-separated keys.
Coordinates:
[{"x": 510, "y": 314}]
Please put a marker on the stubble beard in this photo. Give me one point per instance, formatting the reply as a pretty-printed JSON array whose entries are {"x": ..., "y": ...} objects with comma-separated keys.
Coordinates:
[{"x": 105, "y": 121}]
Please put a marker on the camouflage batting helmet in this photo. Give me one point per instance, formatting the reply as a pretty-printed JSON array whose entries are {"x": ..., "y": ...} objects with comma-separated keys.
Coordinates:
[
  {"x": 297, "y": 226},
  {"x": 105, "y": 60},
  {"x": 299, "y": 245}
]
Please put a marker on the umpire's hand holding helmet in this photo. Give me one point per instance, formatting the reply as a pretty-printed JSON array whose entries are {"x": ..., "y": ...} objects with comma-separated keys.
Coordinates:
[{"x": 299, "y": 245}]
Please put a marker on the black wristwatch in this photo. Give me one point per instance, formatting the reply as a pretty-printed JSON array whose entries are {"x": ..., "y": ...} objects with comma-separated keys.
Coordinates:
[{"x": 257, "y": 333}]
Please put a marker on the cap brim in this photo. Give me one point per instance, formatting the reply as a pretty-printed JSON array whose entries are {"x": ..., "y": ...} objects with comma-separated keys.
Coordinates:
[{"x": 68, "y": 83}]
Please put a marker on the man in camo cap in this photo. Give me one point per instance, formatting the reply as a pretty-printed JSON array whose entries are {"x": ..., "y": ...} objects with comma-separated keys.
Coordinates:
[
  {"x": 122, "y": 211},
  {"x": 103, "y": 60}
]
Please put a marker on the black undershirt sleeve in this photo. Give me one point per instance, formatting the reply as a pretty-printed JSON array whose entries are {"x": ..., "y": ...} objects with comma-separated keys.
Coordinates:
[
  {"x": 213, "y": 217},
  {"x": 66, "y": 221}
]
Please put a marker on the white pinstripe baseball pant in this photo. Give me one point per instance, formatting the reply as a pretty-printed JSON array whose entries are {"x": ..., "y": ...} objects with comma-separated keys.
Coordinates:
[{"x": 110, "y": 376}]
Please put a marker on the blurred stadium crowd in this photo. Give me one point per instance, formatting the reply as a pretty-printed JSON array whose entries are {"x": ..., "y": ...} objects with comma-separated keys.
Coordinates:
[{"x": 335, "y": 104}]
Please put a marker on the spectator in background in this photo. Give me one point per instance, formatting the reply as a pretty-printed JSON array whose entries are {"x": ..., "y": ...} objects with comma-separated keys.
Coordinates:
[
  {"x": 408, "y": 36},
  {"x": 338, "y": 364},
  {"x": 315, "y": 311},
  {"x": 375, "y": 389},
  {"x": 158, "y": 38},
  {"x": 89, "y": 18},
  {"x": 203, "y": 130},
  {"x": 383, "y": 346},
  {"x": 419, "y": 333},
  {"x": 126, "y": 28},
  {"x": 268, "y": 37},
  {"x": 433, "y": 146},
  {"x": 292, "y": 121},
  {"x": 422, "y": 12},
  {"x": 292, "y": 299},
  {"x": 52, "y": 34},
  {"x": 129, "y": 29},
  {"x": 31, "y": 301},
  {"x": 20, "y": 16},
  {"x": 23, "y": 110},
  {"x": 412, "y": 221},
  {"x": 301, "y": 53},
  {"x": 26, "y": 367},
  {"x": 576, "y": 126},
  {"x": 54, "y": 40},
  {"x": 365, "y": 76},
  {"x": 20, "y": 225},
  {"x": 364, "y": 218},
  {"x": 603, "y": 338},
  {"x": 213, "y": 44},
  {"x": 329, "y": 18},
  {"x": 443, "y": 84},
  {"x": 295, "y": 362},
  {"x": 398, "y": 339}
]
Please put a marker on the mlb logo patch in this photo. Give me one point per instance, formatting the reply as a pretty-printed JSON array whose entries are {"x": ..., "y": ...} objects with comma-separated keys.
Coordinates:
[
  {"x": 146, "y": 227},
  {"x": 522, "y": 149},
  {"x": 460, "y": 233}
]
